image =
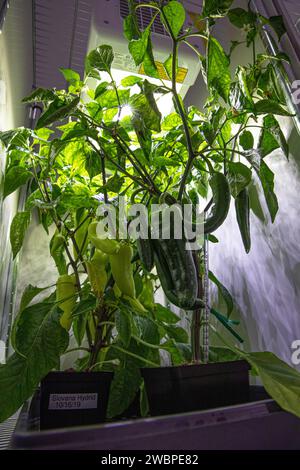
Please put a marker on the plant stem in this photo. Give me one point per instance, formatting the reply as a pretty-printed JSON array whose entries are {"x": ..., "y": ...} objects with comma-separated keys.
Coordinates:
[
  {"x": 196, "y": 323},
  {"x": 119, "y": 167}
]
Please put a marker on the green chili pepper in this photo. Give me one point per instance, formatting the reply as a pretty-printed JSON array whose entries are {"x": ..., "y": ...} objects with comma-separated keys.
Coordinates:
[
  {"x": 97, "y": 274},
  {"x": 57, "y": 252},
  {"x": 147, "y": 295},
  {"x": 107, "y": 245},
  {"x": 122, "y": 271},
  {"x": 81, "y": 234},
  {"x": 66, "y": 293}
]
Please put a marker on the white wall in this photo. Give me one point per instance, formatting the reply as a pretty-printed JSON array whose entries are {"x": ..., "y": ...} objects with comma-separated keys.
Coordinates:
[
  {"x": 15, "y": 82},
  {"x": 266, "y": 282}
]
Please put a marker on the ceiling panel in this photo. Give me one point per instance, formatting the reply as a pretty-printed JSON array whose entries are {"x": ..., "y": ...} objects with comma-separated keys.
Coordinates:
[{"x": 61, "y": 33}]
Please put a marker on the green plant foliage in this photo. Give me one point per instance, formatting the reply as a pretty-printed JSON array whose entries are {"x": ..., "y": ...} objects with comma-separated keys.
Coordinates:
[
  {"x": 100, "y": 59},
  {"x": 15, "y": 177},
  {"x": 218, "y": 74},
  {"x": 100, "y": 138},
  {"x": 173, "y": 17},
  {"x": 239, "y": 177},
  {"x": 41, "y": 340},
  {"x": 18, "y": 229},
  {"x": 223, "y": 291},
  {"x": 267, "y": 181},
  {"x": 216, "y": 8}
]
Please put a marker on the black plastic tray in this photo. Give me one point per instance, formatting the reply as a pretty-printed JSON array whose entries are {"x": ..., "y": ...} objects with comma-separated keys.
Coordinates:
[{"x": 260, "y": 424}]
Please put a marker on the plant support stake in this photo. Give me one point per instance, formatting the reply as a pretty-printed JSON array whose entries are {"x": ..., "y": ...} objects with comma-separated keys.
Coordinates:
[{"x": 206, "y": 301}]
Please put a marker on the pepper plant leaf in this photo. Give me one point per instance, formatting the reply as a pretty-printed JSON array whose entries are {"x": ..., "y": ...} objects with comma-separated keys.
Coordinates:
[
  {"x": 18, "y": 229},
  {"x": 57, "y": 110},
  {"x": 272, "y": 137},
  {"x": 267, "y": 180},
  {"x": 224, "y": 292},
  {"x": 30, "y": 292},
  {"x": 123, "y": 389},
  {"x": 246, "y": 140},
  {"x": 280, "y": 380},
  {"x": 174, "y": 17},
  {"x": 216, "y": 8},
  {"x": 70, "y": 75},
  {"x": 239, "y": 176},
  {"x": 138, "y": 47},
  {"x": 218, "y": 74},
  {"x": 100, "y": 59},
  {"x": 144, "y": 110},
  {"x": 240, "y": 17},
  {"x": 270, "y": 107},
  {"x": 15, "y": 177},
  {"x": 42, "y": 340},
  {"x": 123, "y": 326}
]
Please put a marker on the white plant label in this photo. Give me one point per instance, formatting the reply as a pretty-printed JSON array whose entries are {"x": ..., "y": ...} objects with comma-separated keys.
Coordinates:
[{"x": 73, "y": 401}]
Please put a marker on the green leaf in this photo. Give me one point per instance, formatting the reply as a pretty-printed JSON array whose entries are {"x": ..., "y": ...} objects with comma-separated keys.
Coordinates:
[
  {"x": 79, "y": 327},
  {"x": 6, "y": 136},
  {"x": 130, "y": 81},
  {"x": 15, "y": 177},
  {"x": 280, "y": 380},
  {"x": 84, "y": 306},
  {"x": 267, "y": 181},
  {"x": 247, "y": 140},
  {"x": 93, "y": 164},
  {"x": 239, "y": 176},
  {"x": 174, "y": 17},
  {"x": 223, "y": 292},
  {"x": 177, "y": 333},
  {"x": 212, "y": 238},
  {"x": 176, "y": 353},
  {"x": 40, "y": 95},
  {"x": 18, "y": 229},
  {"x": 100, "y": 59},
  {"x": 101, "y": 88},
  {"x": 168, "y": 66},
  {"x": 218, "y": 74},
  {"x": 270, "y": 107},
  {"x": 272, "y": 137},
  {"x": 77, "y": 196},
  {"x": 28, "y": 295},
  {"x": 115, "y": 183},
  {"x": 130, "y": 27},
  {"x": 123, "y": 326},
  {"x": 146, "y": 329},
  {"x": 42, "y": 340},
  {"x": 219, "y": 354},
  {"x": 163, "y": 314},
  {"x": 243, "y": 81},
  {"x": 109, "y": 99},
  {"x": 240, "y": 17},
  {"x": 123, "y": 389},
  {"x": 277, "y": 23},
  {"x": 216, "y": 8},
  {"x": 149, "y": 64},
  {"x": 171, "y": 121},
  {"x": 138, "y": 47},
  {"x": 56, "y": 111},
  {"x": 146, "y": 111},
  {"x": 70, "y": 75}
]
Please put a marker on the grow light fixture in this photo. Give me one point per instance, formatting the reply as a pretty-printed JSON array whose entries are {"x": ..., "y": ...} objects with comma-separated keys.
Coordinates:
[{"x": 107, "y": 28}]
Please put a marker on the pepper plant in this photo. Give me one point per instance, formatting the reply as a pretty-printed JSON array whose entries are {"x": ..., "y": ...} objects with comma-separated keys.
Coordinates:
[{"x": 85, "y": 151}]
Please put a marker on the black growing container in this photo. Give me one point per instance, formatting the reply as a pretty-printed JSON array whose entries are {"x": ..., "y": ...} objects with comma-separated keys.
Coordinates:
[
  {"x": 181, "y": 389},
  {"x": 74, "y": 398}
]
